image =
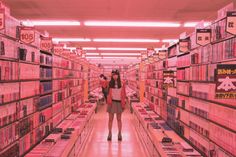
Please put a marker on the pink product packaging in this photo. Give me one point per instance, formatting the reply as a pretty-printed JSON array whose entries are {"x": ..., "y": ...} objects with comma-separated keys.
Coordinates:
[
  {"x": 29, "y": 89},
  {"x": 31, "y": 54},
  {"x": 26, "y": 107},
  {"x": 183, "y": 88},
  {"x": 183, "y": 61},
  {"x": 42, "y": 117},
  {"x": 25, "y": 144},
  {"x": 42, "y": 131},
  {"x": 10, "y": 48},
  {"x": 8, "y": 70},
  {"x": 56, "y": 108},
  {"x": 8, "y": 135},
  {"x": 172, "y": 62},
  {"x": 8, "y": 114},
  {"x": 223, "y": 116},
  {"x": 224, "y": 138},
  {"x": 9, "y": 92},
  {"x": 29, "y": 71}
]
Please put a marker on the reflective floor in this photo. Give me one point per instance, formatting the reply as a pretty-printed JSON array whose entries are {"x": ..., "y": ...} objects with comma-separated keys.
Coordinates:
[{"x": 98, "y": 146}]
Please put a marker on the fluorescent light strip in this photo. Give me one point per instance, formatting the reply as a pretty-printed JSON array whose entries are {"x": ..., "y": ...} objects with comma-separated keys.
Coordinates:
[
  {"x": 170, "y": 40},
  {"x": 120, "y": 54},
  {"x": 122, "y": 49},
  {"x": 131, "y": 24},
  {"x": 71, "y": 39},
  {"x": 94, "y": 57},
  {"x": 89, "y": 48},
  {"x": 50, "y": 23},
  {"x": 127, "y": 40},
  {"x": 193, "y": 24},
  {"x": 91, "y": 54}
]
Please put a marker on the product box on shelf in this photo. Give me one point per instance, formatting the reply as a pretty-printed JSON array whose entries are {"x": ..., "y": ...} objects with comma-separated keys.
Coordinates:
[
  {"x": 8, "y": 70},
  {"x": 45, "y": 59},
  {"x": 25, "y": 143},
  {"x": 8, "y": 114},
  {"x": 42, "y": 116},
  {"x": 28, "y": 54},
  {"x": 26, "y": 125},
  {"x": 56, "y": 108},
  {"x": 29, "y": 71},
  {"x": 42, "y": 130},
  {"x": 44, "y": 102},
  {"x": 224, "y": 138},
  {"x": 45, "y": 87},
  {"x": 8, "y": 135},
  {"x": 11, "y": 151},
  {"x": 27, "y": 107},
  {"x": 183, "y": 88},
  {"x": 45, "y": 73},
  {"x": 28, "y": 92},
  {"x": 8, "y": 48},
  {"x": 9, "y": 92}
]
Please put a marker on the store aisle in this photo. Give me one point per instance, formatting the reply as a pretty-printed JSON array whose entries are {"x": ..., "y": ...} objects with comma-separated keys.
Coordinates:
[{"x": 98, "y": 145}]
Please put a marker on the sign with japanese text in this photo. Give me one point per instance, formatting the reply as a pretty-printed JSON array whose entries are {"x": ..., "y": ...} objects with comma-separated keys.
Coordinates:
[
  {"x": 162, "y": 54},
  {"x": 46, "y": 43},
  {"x": 226, "y": 81},
  {"x": 231, "y": 22},
  {"x": 168, "y": 79},
  {"x": 184, "y": 45},
  {"x": 203, "y": 36},
  {"x": 58, "y": 49},
  {"x": 2, "y": 19},
  {"x": 27, "y": 34}
]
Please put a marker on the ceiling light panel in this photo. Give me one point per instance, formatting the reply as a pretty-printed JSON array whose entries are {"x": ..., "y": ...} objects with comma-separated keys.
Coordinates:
[
  {"x": 127, "y": 40},
  {"x": 50, "y": 23},
  {"x": 71, "y": 39}
]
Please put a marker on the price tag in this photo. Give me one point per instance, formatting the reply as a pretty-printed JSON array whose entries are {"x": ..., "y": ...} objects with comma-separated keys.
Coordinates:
[
  {"x": 203, "y": 36},
  {"x": 27, "y": 34},
  {"x": 231, "y": 22},
  {"x": 46, "y": 43},
  {"x": 184, "y": 45},
  {"x": 2, "y": 19},
  {"x": 58, "y": 49}
]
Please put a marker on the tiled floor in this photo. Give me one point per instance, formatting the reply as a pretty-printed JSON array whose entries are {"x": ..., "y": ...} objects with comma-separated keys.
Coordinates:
[{"x": 98, "y": 146}]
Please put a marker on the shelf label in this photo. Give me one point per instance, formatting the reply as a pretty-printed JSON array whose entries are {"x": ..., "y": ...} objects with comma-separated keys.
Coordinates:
[
  {"x": 2, "y": 19},
  {"x": 27, "y": 34},
  {"x": 162, "y": 54},
  {"x": 58, "y": 49},
  {"x": 168, "y": 79},
  {"x": 226, "y": 81},
  {"x": 231, "y": 22},
  {"x": 203, "y": 36},
  {"x": 184, "y": 45},
  {"x": 46, "y": 43}
]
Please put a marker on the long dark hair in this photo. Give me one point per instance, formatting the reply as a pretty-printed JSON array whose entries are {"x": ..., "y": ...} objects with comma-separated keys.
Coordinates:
[{"x": 112, "y": 81}]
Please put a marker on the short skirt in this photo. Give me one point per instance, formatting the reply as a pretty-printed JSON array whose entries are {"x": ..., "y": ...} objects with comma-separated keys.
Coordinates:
[{"x": 115, "y": 107}]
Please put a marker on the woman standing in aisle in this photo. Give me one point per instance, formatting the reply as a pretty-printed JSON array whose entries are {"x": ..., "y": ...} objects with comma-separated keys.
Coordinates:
[{"x": 116, "y": 101}]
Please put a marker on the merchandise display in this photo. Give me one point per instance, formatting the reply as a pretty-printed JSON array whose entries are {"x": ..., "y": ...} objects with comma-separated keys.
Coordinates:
[{"x": 170, "y": 68}]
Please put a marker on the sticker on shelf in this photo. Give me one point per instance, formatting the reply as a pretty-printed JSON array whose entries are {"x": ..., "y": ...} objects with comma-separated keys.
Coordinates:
[
  {"x": 46, "y": 43},
  {"x": 226, "y": 81},
  {"x": 2, "y": 19},
  {"x": 27, "y": 34},
  {"x": 231, "y": 22},
  {"x": 203, "y": 36}
]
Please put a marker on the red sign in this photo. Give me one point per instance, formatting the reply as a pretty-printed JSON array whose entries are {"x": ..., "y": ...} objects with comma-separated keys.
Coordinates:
[
  {"x": 231, "y": 22},
  {"x": 58, "y": 49},
  {"x": 46, "y": 43},
  {"x": 27, "y": 34},
  {"x": 2, "y": 19},
  {"x": 203, "y": 36},
  {"x": 184, "y": 45}
]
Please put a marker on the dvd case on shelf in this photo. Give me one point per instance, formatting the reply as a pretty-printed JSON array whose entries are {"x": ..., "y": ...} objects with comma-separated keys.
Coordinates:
[
  {"x": 26, "y": 125},
  {"x": 9, "y": 70},
  {"x": 9, "y": 92},
  {"x": 45, "y": 73},
  {"x": 27, "y": 107},
  {"x": 45, "y": 59},
  {"x": 183, "y": 61},
  {"x": 45, "y": 87},
  {"x": 44, "y": 102},
  {"x": 183, "y": 88},
  {"x": 10, "y": 48},
  {"x": 29, "y": 71},
  {"x": 11, "y": 151},
  {"x": 8, "y": 114},
  {"x": 25, "y": 91}
]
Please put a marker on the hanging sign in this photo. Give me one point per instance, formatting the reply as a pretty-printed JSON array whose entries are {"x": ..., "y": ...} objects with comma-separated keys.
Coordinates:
[
  {"x": 231, "y": 22},
  {"x": 2, "y": 19},
  {"x": 184, "y": 45},
  {"x": 58, "y": 49},
  {"x": 226, "y": 81},
  {"x": 27, "y": 34},
  {"x": 150, "y": 51},
  {"x": 168, "y": 79},
  {"x": 203, "y": 36},
  {"x": 162, "y": 54},
  {"x": 46, "y": 43}
]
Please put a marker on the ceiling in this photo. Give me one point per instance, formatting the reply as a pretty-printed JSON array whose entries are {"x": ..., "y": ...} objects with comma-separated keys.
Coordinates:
[{"x": 116, "y": 10}]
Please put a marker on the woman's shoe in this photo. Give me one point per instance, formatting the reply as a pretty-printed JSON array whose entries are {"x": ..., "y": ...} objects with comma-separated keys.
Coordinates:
[
  {"x": 109, "y": 137},
  {"x": 119, "y": 137}
]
